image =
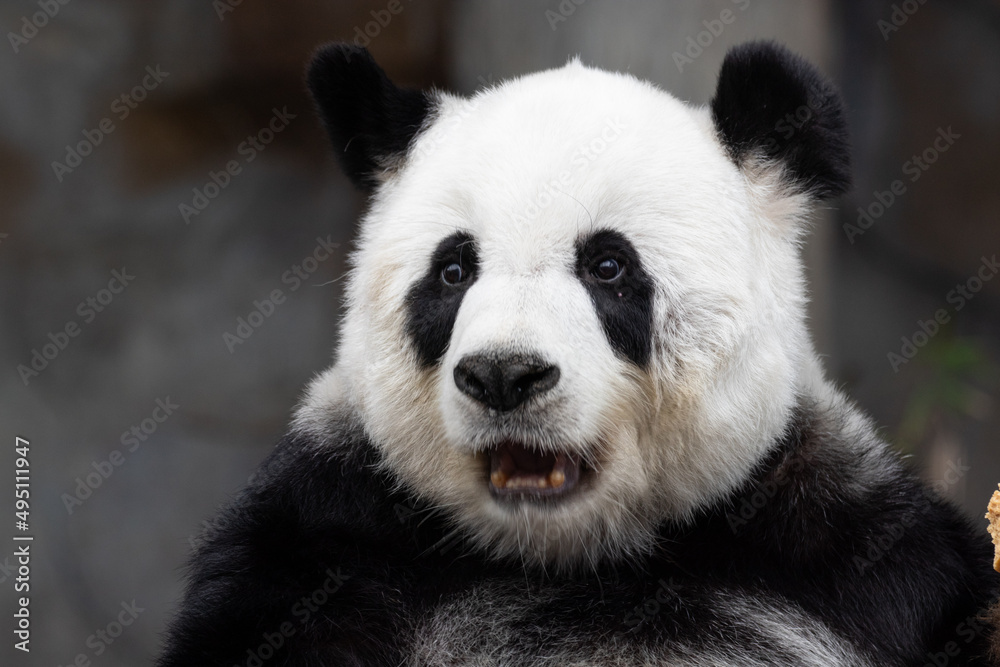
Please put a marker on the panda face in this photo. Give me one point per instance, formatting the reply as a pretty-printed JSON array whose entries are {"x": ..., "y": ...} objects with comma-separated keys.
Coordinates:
[{"x": 571, "y": 315}]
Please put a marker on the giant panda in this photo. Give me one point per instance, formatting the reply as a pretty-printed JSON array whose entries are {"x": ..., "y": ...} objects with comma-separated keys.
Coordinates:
[{"x": 575, "y": 416}]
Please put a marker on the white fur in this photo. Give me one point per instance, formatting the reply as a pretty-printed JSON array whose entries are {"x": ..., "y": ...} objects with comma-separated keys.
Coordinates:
[
  {"x": 730, "y": 349},
  {"x": 484, "y": 628}
]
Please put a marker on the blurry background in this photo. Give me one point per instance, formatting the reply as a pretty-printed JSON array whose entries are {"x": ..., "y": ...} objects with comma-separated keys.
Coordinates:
[{"x": 118, "y": 121}]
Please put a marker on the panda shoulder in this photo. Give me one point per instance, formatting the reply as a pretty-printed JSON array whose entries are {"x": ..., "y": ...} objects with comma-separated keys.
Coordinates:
[{"x": 311, "y": 491}]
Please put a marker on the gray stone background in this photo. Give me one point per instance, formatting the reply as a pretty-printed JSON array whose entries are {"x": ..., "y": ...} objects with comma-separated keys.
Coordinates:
[{"x": 230, "y": 65}]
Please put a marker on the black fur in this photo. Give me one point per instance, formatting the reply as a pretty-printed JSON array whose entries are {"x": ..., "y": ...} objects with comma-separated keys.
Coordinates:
[
  {"x": 432, "y": 305},
  {"x": 370, "y": 120},
  {"x": 772, "y": 104},
  {"x": 892, "y": 566},
  {"x": 321, "y": 509},
  {"x": 625, "y": 305}
]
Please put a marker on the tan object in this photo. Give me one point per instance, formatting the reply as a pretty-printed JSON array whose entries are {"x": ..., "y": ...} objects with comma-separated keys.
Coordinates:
[{"x": 993, "y": 514}]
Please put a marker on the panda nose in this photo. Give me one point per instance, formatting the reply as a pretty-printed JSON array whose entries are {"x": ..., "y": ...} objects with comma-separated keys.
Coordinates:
[{"x": 504, "y": 382}]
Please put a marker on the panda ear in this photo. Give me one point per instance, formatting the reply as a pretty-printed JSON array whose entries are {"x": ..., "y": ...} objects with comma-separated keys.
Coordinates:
[
  {"x": 370, "y": 120},
  {"x": 772, "y": 108}
]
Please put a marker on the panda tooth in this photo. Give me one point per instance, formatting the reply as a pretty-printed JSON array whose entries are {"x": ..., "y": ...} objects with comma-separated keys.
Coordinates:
[
  {"x": 557, "y": 478},
  {"x": 499, "y": 479},
  {"x": 524, "y": 482}
]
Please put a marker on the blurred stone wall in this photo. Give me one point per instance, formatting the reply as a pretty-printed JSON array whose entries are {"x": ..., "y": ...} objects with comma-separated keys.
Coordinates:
[
  {"x": 915, "y": 327},
  {"x": 226, "y": 71},
  {"x": 190, "y": 276}
]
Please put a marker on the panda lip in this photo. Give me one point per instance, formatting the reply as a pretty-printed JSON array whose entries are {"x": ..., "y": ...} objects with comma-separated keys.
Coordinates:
[{"x": 519, "y": 470}]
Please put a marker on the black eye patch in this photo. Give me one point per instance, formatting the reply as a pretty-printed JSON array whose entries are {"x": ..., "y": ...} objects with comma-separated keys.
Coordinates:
[
  {"x": 608, "y": 266},
  {"x": 433, "y": 301}
]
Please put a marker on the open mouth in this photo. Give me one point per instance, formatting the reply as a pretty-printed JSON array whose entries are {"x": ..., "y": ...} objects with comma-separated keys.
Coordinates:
[{"x": 517, "y": 470}]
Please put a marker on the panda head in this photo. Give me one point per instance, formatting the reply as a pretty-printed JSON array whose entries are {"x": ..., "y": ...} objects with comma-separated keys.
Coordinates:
[{"x": 576, "y": 308}]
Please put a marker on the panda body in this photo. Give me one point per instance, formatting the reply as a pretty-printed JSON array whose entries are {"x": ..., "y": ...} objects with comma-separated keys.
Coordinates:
[{"x": 575, "y": 417}]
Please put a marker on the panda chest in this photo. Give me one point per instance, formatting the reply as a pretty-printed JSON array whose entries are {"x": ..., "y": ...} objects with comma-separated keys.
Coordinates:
[{"x": 506, "y": 624}]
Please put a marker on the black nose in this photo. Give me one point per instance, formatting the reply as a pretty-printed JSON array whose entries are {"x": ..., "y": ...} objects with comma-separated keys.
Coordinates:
[{"x": 504, "y": 382}]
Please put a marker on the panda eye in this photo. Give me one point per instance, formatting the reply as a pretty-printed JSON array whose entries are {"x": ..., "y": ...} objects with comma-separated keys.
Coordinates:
[
  {"x": 607, "y": 270},
  {"x": 454, "y": 274}
]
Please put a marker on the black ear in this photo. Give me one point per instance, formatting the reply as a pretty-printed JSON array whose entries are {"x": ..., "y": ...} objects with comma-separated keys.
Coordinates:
[
  {"x": 370, "y": 120},
  {"x": 771, "y": 104}
]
